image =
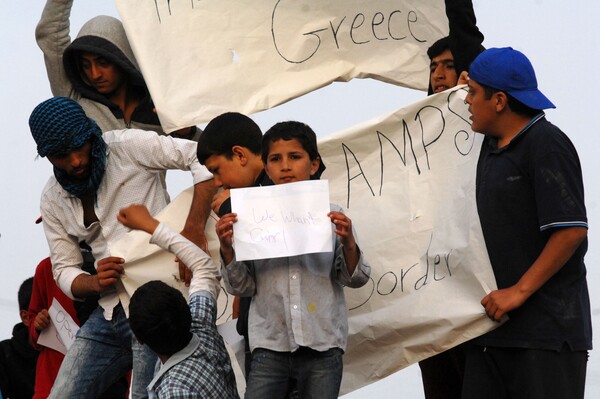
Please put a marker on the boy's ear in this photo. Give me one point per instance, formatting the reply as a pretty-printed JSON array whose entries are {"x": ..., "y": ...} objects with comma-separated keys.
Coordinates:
[{"x": 240, "y": 153}]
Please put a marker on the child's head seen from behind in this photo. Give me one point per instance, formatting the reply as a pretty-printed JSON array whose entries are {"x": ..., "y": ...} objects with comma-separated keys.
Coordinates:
[{"x": 290, "y": 153}]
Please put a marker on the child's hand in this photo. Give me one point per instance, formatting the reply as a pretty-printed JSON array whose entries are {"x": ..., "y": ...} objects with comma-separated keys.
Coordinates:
[
  {"x": 137, "y": 217},
  {"x": 343, "y": 227},
  {"x": 225, "y": 229},
  {"x": 463, "y": 79},
  {"x": 225, "y": 233},
  {"x": 42, "y": 320}
]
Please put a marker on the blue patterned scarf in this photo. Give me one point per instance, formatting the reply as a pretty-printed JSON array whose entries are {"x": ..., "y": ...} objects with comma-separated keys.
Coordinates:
[{"x": 59, "y": 125}]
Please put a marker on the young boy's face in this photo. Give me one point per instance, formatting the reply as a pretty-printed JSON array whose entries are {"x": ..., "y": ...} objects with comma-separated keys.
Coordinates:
[
  {"x": 229, "y": 173},
  {"x": 289, "y": 162}
]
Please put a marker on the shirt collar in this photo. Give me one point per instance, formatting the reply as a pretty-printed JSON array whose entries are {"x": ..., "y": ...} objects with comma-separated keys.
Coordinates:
[
  {"x": 494, "y": 141},
  {"x": 175, "y": 359}
]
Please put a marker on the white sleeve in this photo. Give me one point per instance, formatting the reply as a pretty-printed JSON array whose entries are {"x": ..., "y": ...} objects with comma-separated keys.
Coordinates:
[
  {"x": 205, "y": 274},
  {"x": 158, "y": 152}
]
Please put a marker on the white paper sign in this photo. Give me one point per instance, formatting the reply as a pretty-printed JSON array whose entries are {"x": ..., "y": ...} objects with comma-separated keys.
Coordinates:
[
  {"x": 60, "y": 334},
  {"x": 50, "y": 339},
  {"x": 281, "y": 220},
  {"x": 201, "y": 58}
]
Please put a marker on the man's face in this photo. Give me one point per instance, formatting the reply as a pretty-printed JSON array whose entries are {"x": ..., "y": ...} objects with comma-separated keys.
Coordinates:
[
  {"x": 229, "y": 173},
  {"x": 482, "y": 109},
  {"x": 75, "y": 163},
  {"x": 101, "y": 74},
  {"x": 442, "y": 74}
]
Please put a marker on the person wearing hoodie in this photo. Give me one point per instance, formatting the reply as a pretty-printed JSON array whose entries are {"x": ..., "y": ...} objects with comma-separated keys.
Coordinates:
[
  {"x": 17, "y": 357},
  {"x": 99, "y": 71}
]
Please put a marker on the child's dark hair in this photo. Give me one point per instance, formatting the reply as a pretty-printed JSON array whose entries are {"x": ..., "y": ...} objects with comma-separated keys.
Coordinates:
[
  {"x": 226, "y": 131},
  {"x": 160, "y": 317},
  {"x": 24, "y": 294},
  {"x": 294, "y": 130},
  {"x": 438, "y": 47}
]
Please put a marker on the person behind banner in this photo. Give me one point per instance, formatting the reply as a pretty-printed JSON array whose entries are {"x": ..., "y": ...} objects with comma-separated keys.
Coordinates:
[
  {"x": 95, "y": 175},
  {"x": 17, "y": 357},
  {"x": 451, "y": 56},
  {"x": 194, "y": 361},
  {"x": 297, "y": 323},
  {"x": 530, "y": 199}
]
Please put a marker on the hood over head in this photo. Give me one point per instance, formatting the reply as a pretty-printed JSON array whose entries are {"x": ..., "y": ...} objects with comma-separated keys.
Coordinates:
[{"x": 103, "y": 35}]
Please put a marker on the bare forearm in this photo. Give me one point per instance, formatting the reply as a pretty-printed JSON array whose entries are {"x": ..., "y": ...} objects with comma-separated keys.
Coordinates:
[
  {"x": 200, "y": 208},
  {"x": 85, "y": 285}
]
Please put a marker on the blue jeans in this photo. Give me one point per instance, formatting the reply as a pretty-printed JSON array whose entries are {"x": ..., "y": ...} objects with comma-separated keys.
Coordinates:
[
  {"x": 317, "y": 374},
  {"x": 103, "y": 351}
]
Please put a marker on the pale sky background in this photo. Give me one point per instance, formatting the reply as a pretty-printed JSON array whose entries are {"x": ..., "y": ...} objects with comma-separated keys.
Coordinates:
[{"x": 561, "y": 38}]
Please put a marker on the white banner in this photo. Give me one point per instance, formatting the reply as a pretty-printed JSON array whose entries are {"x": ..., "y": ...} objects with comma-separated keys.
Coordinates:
[
  {"x": 407, "y": 181},
  {"x": 201, "y": 58}
]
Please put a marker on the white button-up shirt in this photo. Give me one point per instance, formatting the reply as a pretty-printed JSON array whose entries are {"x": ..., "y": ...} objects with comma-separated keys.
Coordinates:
[{"x": 134, "y": 164}]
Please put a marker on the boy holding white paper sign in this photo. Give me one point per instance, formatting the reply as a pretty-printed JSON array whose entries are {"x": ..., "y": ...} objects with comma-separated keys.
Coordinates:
[{"x": 298, "y": 317}]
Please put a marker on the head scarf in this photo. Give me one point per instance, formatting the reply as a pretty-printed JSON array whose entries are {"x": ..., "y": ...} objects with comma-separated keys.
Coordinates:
[{"x": 59, "y": 125}]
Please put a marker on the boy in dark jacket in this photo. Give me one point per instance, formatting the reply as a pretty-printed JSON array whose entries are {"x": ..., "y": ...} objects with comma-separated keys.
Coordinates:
[{"x": 17, "y": 356}]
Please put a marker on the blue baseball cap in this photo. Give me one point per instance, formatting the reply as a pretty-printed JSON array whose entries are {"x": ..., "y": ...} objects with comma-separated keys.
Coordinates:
[{"x": 510, "y": 71}]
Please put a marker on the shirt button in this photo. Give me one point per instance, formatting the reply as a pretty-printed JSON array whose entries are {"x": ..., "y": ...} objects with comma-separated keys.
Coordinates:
[
  {"x": 294, "y": 277},
  {"x": 295, "y": 306}
]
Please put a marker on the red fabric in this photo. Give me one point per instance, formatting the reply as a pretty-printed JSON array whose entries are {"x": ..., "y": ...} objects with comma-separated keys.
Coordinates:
[{"x": 49, "y": 360}]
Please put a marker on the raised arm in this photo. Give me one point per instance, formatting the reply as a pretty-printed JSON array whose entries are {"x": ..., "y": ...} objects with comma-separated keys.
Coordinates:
[
  {"x": 52, "y": 36},
  {"x": 465, "y": 37},
  {"x": 205, "y": 273}
]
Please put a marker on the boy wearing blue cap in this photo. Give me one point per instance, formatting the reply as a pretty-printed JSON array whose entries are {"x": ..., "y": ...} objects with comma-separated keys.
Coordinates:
[{"x": 531, "y": 206}]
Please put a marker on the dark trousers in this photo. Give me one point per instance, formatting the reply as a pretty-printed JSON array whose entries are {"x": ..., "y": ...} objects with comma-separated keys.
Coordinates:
[
  {"x": 443, "y": 373},
  {"x": 515, "y": 373}
]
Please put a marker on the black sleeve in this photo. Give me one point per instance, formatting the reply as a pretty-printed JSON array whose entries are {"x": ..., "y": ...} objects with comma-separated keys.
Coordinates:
[
  {"x": 225, "y": 207},
  {"x": 465, "y": 38}
]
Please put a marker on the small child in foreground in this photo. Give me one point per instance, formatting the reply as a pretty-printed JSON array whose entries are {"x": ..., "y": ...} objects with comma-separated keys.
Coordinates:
[
  {"x": 195, "y": 363},
  {"x": 298, "y": 323}
]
